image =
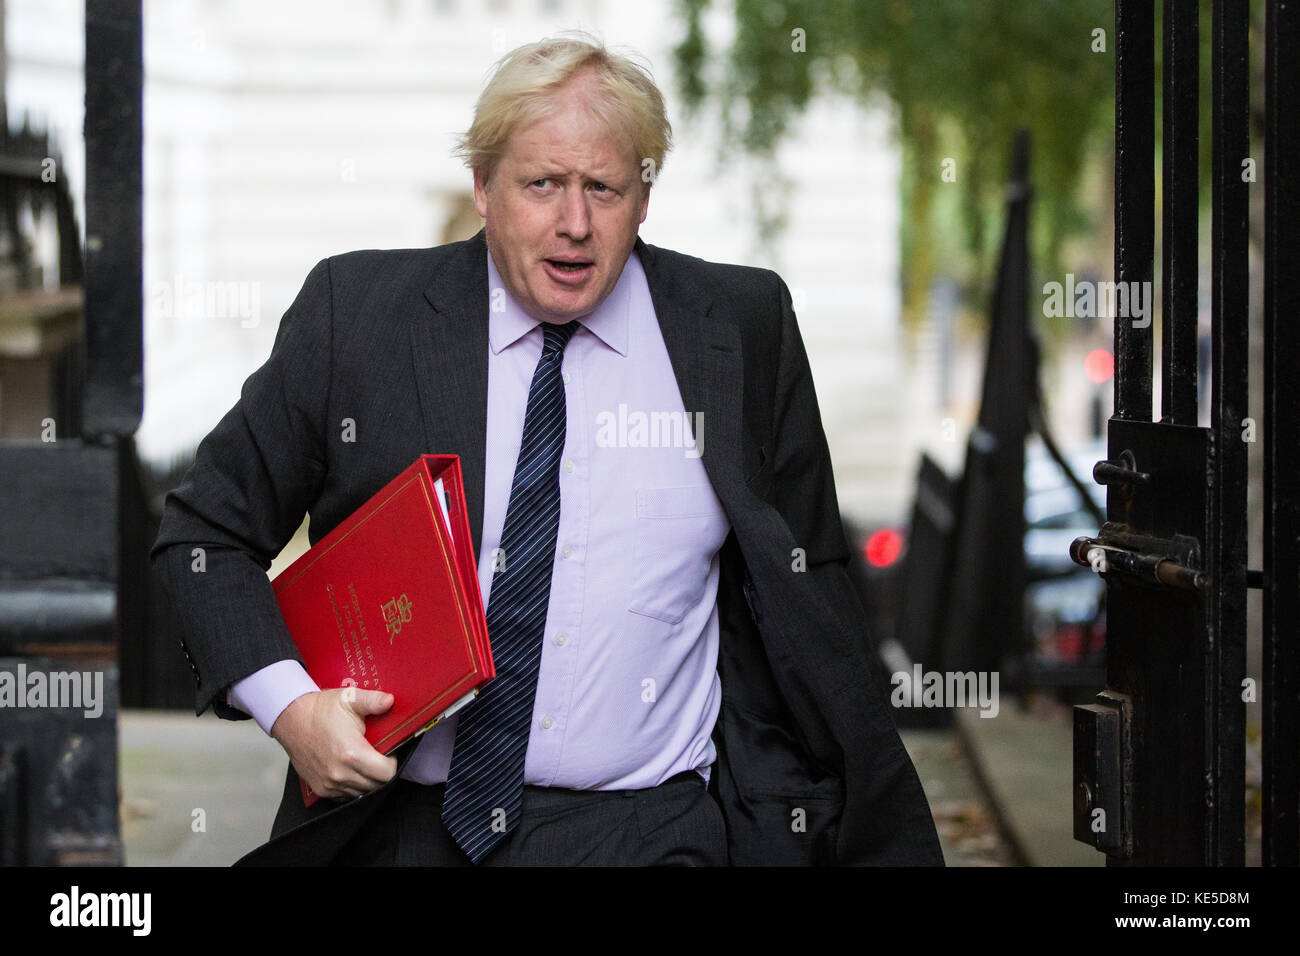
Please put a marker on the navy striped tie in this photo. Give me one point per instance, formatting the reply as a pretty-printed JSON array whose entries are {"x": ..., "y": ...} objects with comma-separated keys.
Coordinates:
[{"x": 486, "y": 779}]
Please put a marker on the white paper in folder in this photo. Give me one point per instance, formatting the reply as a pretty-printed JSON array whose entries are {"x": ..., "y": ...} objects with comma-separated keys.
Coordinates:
[{"x": 442, "y": 500}]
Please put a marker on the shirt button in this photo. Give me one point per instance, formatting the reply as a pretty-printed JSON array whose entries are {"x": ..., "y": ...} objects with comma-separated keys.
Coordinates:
[
  {"x": 547, "y": 723},
  {"x": 568, "y": 466},
  {"x": 561, "y": 639},
  {"x": 565, "y": 376},
  {"x": 566, "y": 551}
]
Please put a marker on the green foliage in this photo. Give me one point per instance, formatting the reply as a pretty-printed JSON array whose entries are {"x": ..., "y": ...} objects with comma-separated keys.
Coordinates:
[{"x": 962, "y": 76}]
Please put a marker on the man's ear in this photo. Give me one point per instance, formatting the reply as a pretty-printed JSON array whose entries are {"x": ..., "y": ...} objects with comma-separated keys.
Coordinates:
[
  {"x": 645, "y": 203},
  {"x": 480, "y": 192}
]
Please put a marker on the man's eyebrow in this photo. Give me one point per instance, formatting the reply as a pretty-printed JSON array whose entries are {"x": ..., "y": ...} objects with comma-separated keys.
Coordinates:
[{"x": 542, "y": 170}]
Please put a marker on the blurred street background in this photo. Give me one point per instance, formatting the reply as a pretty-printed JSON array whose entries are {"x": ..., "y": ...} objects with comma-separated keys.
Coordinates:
[{"x": 864, "y": 151}]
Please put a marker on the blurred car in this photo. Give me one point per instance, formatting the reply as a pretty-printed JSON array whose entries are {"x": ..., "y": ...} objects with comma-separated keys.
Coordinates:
[
  {"x": 1065, "y": 609},
  {"x": 1065, "y": 621}
]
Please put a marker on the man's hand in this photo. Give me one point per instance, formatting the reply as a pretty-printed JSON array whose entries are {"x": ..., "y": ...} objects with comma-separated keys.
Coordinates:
[{"x": 324, "y": 735}]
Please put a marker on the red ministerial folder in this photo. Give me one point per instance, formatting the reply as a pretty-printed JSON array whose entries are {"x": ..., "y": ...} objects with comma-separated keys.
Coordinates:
[{"x": 389, "y": 600}]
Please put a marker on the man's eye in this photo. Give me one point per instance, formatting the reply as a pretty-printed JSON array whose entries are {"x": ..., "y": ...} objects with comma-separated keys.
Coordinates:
[
  {"x": 601, "y": 186},
  {"x": 540, "y": 182}
]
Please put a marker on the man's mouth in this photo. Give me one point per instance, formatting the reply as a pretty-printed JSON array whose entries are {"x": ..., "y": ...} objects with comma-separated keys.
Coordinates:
[{"x": 569, "y": 271}]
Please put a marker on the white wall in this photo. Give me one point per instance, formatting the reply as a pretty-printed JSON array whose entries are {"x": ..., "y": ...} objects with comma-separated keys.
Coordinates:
[{"x": 278, "y": 132}]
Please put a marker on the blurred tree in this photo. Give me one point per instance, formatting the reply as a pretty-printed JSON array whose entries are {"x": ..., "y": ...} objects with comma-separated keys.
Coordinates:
[{"x": 961, "y": 76}]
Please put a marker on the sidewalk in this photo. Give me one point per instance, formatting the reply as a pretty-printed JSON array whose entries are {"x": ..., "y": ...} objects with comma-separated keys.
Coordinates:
[
  {"x": 967, "y": 825},
  {"x": 1026, "y": 765},
  {"x": 200, "y": 791},
  {"x": 196, "y": 791}
]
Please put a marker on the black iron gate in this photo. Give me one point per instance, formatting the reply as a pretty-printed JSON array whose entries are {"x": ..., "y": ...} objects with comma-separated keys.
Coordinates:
[
  {"x": 1160, "y": 757},
  {"x": 61, "y": 524}
]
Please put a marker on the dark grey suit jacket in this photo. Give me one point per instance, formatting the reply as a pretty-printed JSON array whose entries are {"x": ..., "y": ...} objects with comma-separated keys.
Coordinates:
[{"x": 811, "y": 769}]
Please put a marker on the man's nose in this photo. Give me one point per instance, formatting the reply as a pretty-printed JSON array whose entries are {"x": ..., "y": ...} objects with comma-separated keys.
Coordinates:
[{"x": 575, "y": 216}]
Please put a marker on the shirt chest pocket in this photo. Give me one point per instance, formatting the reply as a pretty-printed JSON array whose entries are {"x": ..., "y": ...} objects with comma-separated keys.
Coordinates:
[{"x": 678, "y": 531}]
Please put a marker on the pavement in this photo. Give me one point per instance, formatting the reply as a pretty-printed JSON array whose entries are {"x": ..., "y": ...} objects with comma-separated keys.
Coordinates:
[
  {"x": 196, "y": 791},
  {"x": 1025, "y": 763},
  {"x": 967, "y": 823},
  {"x": 201, "y": 791}
]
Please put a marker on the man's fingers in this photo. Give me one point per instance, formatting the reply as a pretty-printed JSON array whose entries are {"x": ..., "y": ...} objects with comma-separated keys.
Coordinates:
[
  {"x": 367, "y": 702},
  {"x": 366, "y": 767},
  {"x": 346, "y": 787},
  {"x": 325, "y": 738},
  {"x": 374, "y": 766},
  {"x": 360, "y": 769}
]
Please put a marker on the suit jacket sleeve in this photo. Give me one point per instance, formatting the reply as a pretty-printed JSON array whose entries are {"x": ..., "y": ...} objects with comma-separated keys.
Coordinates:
[
  {"x": 253, "y": 478},
  {"x": 886, "y": 817}
]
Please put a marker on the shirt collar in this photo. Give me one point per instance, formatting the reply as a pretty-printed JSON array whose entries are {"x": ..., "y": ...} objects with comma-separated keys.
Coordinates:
[{"x": 508, "y": 322}]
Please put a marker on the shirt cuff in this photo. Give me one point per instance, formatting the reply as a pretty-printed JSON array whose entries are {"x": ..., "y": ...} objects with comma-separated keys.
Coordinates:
[{"x": 265, "y": 694}]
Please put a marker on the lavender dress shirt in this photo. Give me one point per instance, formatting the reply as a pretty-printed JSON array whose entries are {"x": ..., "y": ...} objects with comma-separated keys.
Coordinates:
[{"x": 628, "y": 691}]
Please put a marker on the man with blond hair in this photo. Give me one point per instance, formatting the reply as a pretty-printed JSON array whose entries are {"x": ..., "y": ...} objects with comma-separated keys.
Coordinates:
[{"x": 682, "y": 674}]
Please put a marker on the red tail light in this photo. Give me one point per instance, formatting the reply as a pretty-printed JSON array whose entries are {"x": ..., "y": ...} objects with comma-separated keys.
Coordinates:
[{"x": 882, "y": 548}]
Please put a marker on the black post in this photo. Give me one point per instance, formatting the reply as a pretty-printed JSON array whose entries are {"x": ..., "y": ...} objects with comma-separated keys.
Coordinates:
[
  {"x": 1134, "y": 195},
  {"x": 985, "y": 612},
  {"x": 1180, "y": 232},
  {"x": 114, "y": 272},
  {"x": 1226, "y": 647},
  {"x": 60, "y": 537},
  {"x": 1281, "y": 689}
]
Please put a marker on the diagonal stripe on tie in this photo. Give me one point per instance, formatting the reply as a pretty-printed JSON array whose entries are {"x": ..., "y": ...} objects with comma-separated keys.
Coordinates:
[{"x": 485, "y": 781}]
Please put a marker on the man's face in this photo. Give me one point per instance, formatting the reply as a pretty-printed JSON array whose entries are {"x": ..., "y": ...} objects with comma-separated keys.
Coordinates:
[{"x": 564, "y": 192}]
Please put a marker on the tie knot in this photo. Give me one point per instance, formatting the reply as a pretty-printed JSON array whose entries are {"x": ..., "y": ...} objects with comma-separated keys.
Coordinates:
[{"x": 556, "y": 337}]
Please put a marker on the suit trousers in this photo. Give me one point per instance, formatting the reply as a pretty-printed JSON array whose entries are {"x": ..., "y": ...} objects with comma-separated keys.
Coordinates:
[{"x": 677, "y": 823}]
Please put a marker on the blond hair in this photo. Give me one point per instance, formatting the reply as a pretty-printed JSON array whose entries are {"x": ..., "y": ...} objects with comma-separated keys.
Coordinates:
[{"x": 522, "y": 91}]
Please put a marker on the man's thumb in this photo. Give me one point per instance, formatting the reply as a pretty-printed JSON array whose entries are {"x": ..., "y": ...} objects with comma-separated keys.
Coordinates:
[{"x": 370, "y": 701}]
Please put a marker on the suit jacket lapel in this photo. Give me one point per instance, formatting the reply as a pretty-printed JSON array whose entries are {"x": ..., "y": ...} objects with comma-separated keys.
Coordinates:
[
  {"x": 704, "y": 349},
  {"x": 450, "y": 353}
]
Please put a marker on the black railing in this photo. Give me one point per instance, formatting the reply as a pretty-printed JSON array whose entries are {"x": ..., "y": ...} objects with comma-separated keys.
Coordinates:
[
  {"x": 62, "y": 542},
  {"x": 1281, "y": 618},
  {"x": 1160, "y": 758}
]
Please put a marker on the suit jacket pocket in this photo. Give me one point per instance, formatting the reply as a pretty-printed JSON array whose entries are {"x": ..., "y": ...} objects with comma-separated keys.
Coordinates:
[
  {"x": 799, "y": 829},
  {"x": 678, "y": 531},
  {"x": 760, "y": 482}
]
